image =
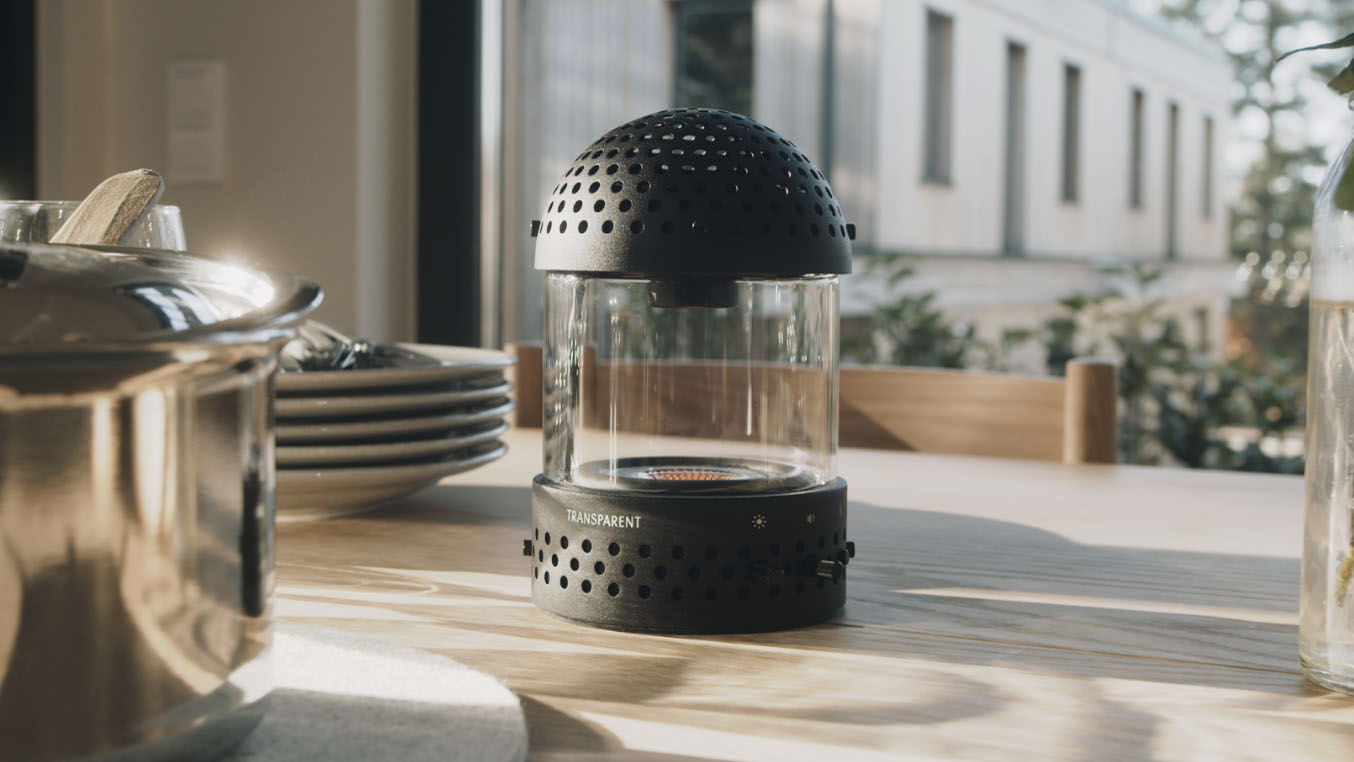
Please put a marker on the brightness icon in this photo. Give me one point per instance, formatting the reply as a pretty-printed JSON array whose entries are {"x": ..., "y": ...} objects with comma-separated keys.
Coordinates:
[{"x": 759, "y": 521}]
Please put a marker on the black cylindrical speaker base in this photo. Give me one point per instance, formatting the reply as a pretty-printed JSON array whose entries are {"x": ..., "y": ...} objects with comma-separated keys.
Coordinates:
[{"x": 689, "y": 563}]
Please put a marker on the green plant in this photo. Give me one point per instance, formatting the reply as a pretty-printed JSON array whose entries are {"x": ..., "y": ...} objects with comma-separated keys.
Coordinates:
[
  {"x": 1149, "y": 347},
  {"x": 1059, "y": 333},
  {"x": 1177, "y": 404},
  {"x": 1273, "y": 211},
  {"x": 1176, "y": 401},
  {"x": 909, "y": 329},
  {"x": 1271, "y": 215}
]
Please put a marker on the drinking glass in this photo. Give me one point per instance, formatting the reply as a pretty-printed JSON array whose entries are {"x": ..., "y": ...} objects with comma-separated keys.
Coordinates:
[{"x": 161, "y": 227}]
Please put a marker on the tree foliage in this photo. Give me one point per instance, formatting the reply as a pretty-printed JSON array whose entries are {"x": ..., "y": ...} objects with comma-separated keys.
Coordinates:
[
  {"x": 1273, "y": 211},
  {"x": 1177, "y": 404}
]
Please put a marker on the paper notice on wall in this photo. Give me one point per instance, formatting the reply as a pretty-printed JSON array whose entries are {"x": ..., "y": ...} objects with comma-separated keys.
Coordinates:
[{"x": 197, "y": 122}]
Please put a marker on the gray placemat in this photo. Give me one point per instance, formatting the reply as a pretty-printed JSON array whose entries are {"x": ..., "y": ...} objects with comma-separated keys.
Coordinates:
[{"x": 342, "y": 698}]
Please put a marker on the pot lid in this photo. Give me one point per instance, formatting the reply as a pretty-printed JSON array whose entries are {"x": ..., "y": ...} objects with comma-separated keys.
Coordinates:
[
  {"x": 69, "y": 297},
  {"x": 693, "y": 192}
]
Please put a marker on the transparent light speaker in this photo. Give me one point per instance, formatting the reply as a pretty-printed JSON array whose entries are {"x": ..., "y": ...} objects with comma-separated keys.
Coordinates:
[{"x": 689, "y": 479}]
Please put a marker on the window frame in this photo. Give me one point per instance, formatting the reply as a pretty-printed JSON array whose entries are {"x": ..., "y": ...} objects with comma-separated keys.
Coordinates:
[
  {"x": 937, "y": 160},
  {"x": 1137, "y": 139},
  {"x": 1070, "y": 183},
  {"x": 1206, "y": 181},
  {"x": 18, "y": 126},
  {"x": 685, "y": 8},
  {"x": 1172, "y": 179},
  {"x": 450, "y": 269},
  {"x": 1015, "y": 118}
]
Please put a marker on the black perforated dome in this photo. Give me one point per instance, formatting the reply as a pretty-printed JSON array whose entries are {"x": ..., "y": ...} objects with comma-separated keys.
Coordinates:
[{"x": 693, "y": 192}]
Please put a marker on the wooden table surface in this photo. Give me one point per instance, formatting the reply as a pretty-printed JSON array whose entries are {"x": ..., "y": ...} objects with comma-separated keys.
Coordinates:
[{"x": 996, "y": 610}]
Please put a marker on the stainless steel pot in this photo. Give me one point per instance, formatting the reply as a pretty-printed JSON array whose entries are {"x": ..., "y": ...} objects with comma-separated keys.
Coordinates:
[{"x": 136, "y": 500}]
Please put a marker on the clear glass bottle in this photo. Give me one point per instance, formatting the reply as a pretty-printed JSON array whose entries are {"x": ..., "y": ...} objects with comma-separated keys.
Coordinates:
[{"x": 1326, "y": 627}]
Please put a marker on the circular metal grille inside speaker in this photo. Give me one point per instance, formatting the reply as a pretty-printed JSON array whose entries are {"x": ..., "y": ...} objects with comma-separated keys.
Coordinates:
[{"x": 693, "y": 191}]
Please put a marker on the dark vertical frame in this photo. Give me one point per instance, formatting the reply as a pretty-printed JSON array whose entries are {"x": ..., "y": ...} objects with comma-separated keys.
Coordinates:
[
  {"x": 1206, "y": 189},
  {"x": 938, "y": 98},
  {"x": 448, "y": 172},
  {"x": 18, "y": 120},
  {"x": 1013, "y": 206},
  {"x": 1138, "y": 108},
  {"x": 1071, "y": 165},
  {"x": 683, "y": 13},
  {"x": 828, "y": 109},
  {"x": 1172, "y": 178}
]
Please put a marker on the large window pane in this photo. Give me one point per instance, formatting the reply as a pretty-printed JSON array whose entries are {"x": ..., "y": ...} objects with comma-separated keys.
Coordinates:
[
  {"x": 939, "y": 97},
  {"x": 1135, "y": 151},
  {"x": 1013, "y": 229},
  {"x": 1071, "y": 133},
  {"x": 714, "y": 55},
  {"x": 1207, "y": 191},
  {"x": 1172, "y": 177}
]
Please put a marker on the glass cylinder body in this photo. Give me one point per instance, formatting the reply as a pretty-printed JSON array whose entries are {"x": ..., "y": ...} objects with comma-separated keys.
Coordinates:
[
  {"x": 161, "y": 227},
  {"x": 1326, "y": 628},
  {"x": 671, "y": 385}
]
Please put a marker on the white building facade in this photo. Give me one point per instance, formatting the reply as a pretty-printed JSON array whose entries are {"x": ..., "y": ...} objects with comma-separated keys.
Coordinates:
[{"x": 1013, "y": 146}]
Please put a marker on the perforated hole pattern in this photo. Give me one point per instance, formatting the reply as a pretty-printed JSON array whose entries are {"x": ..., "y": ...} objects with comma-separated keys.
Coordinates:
[
  {"x": 709, "y": 573},
  {"x": 699, "y": 173}
]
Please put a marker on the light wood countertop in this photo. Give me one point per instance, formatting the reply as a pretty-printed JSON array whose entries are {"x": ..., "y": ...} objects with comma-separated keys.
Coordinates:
[{"x": 996, "y": 610}]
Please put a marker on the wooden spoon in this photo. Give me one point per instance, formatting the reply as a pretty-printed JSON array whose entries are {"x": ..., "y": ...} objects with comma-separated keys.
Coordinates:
[{"x": 110, "y": 211}]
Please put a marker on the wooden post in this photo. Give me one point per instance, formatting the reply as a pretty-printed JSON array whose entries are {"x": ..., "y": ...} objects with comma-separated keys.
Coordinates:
[
  {"x": 526, "y": 379},
  {"x": 1090, "y": 411}
]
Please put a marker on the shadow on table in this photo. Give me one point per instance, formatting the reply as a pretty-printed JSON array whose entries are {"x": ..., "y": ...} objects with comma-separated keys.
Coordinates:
[
  {"x": 1009, "y": 594},
  {"x": 998, "y": 589},
  {"x": 941, "y": 550},
  {"x": 308, "y": 725},
  {"x": 570, "y": 735},
  {"x": 916, "y": 550},
  {"x": 995, "y": 582},
  {"x": 927, "y": 591}
]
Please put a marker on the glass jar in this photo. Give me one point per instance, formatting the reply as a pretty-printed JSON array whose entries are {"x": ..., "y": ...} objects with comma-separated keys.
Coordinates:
[
  {"x": 1326, "y": 627},
  {"x": 690, "y": 385}
]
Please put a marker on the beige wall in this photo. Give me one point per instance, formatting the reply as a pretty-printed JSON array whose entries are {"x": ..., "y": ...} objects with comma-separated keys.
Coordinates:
[{"x": 319, "y": 132}]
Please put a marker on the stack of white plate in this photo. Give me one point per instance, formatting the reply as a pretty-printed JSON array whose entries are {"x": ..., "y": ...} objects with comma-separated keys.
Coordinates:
[{"x": 348, "y": 440}]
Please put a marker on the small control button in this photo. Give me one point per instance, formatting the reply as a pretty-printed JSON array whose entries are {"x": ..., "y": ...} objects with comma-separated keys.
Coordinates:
[{"x": 829, "y": 569}]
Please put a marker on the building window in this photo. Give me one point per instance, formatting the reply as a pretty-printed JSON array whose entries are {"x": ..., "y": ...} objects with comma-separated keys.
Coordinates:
[
  {"x": 1013, "y": 227},
  {"x": 1203, "y": 324},
  {"x": 1172, "y": 177},
  {"x": 1208, "y": 169},
  {"x": 1071, "y": 132},
  {"x": 939, "y": 98},
  {"x": 713, "y": 47},
  {"x": 1135, "y": 152}
]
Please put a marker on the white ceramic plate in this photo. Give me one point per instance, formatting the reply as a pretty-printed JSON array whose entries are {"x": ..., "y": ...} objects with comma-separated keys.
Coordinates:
[
  {"x": 312, "y": 493},
  {"x": 319, "y": 456},
  {"x": 326, "y": 406},
  {"x": 409, "y": 365},
  {"x": 389, "y": 429}
]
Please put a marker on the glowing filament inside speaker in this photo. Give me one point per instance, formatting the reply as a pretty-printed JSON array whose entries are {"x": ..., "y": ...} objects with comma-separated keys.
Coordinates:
[
  {"x": 692, "y": 474},
  {"x": 686, "y": 474}
]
